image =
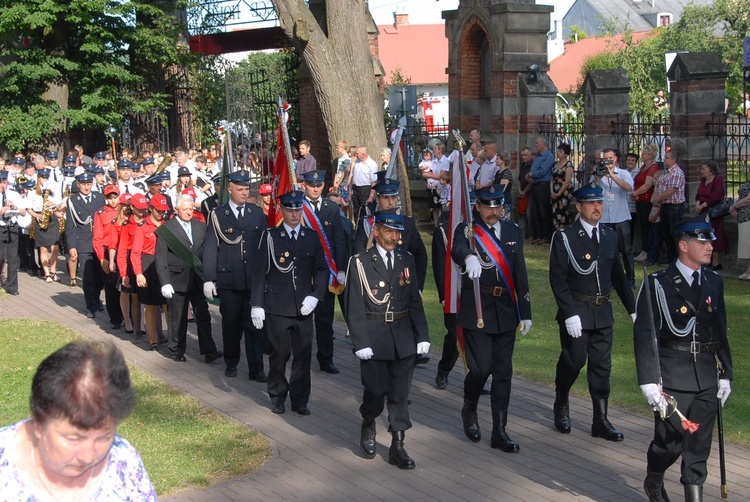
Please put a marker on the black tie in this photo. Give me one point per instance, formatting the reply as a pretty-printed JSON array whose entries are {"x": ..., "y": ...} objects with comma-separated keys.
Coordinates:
[
  {"x": 389, "y": 261},
  {"x": 494, "y": 234},
  {"x": 88, "y": 199},
  {"x": 317, "y": 206},
  {"x": 293, "y": 234},
  {"x": 594, "y": 237},
  {"x": 127, "y": 190},
  {"x": 696, "y": 286},
  {"x": 240, "y": 217}
]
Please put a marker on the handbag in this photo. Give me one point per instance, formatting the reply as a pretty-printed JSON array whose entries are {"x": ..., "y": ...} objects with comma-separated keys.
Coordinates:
[
  {"x": 523, "y": 204},
  {"x": 720, "y": 209}
]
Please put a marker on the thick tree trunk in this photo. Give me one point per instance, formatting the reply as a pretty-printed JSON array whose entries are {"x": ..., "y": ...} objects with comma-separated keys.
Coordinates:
[{"x": 341, "y": 68}]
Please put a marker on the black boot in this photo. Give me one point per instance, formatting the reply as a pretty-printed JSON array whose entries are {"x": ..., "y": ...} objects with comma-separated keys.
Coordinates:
[
  {"x": 693, "y": 493},
  {"x": 561, "y": 409},
  {"x": 441, "y": 380},
  {"x": 471, "y": 422},
  {"x": 602, "y": 428},
  {"x": 367, "y": 438},
  {"x": 397, "y": 454},
  {"x": 499, "y": 438},
  {"x": 654, "y": 487}
]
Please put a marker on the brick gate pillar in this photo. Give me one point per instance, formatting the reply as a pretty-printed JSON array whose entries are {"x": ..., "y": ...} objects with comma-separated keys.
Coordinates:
[
  {"x": 491, "y": 44},
  {"x": 697, "y": 91},
  {"x": 606, "y": 101}
]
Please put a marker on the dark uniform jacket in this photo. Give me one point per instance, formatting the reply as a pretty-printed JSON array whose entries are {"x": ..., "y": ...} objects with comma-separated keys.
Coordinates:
[
  {"x": 439, "y": 251},
  {"x": 680, "y": 371},
  {"x": 281, "y": 293},
  {"x": 171, "y": 269},
  {"x": 330, "y": 219},
  {"x": 230, "y": 265},
  {"x": 387, "y": 340},
  {"x": 411, "y": 242},
  {"x": 80, "y": 221},
  {"x": 209, "y": 204},
  {"x": 606, "y": 275},
  {"x": 499, "y": 313}
]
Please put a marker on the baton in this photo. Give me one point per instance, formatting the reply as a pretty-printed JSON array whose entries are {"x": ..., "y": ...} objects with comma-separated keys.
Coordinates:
[{"x": 720, "y": 427}]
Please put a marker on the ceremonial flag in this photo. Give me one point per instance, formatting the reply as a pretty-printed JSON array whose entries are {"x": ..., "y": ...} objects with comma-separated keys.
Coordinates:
[{"x": 281, "y": 181}]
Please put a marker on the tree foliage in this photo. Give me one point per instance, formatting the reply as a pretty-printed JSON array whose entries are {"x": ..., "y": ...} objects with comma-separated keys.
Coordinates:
[
  {"x": 644, "y": 61},
  {"x": 82, "y": 63}
]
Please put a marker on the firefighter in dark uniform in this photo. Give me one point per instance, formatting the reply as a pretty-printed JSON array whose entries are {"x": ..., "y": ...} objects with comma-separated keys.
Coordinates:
[
  {"x": 210, "y": 203},
  {"x": 79, "y": 221},
  {"x": 386, "y": 197},
  {"x": 388, "y": 329},
  {"x": 692, "y": 353},
  {"x": 499, "y": 264},
  {"x": 329, "y": 221},
  {"x": 584, "y": 268},
  {"x": 232, "y": 237},
  {"x": 290, "y": 278}
]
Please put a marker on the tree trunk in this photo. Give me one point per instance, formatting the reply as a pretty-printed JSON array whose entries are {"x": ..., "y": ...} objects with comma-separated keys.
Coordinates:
[{"x": 341, "y": 69}]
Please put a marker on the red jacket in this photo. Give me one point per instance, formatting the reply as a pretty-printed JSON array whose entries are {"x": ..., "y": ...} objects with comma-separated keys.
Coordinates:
[
  {"x": 104, "y": 220},
  {"x": 144, "y": 242},
  {"x": 125, "y": 244}
]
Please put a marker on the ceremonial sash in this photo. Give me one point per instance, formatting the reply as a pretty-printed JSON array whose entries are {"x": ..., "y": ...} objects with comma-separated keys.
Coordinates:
[
  {"x": 312, "y": 221},
  {"x": 180, "y": 249},
  {"x": 492, "y": 248}
]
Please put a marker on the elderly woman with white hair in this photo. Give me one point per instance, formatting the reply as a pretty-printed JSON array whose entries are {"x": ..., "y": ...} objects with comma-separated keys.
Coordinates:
[{"x": 385, "y": 157}]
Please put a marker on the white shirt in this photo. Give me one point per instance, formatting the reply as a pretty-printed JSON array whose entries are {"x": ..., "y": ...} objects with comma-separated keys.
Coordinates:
[
  {"x": 7, "y": 198},
  {"x": 382, "y": 252},
  {"x": 487, "y": 172},
  {"x": 615, "y": 208},
  {"x": 686, "y": 272},
  {"x": 438, "y": 166},
  {"x": 364, "y": 173},
  {"x": 588, "y": 228},
  {"x": 289, "y": 230}
]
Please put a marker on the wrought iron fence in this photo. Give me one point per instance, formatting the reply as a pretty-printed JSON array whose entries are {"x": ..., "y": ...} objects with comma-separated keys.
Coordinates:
[
  {"x": 632, "y": 134},
  {"x": 730, "y": 148},
  {"x": 418, "y": 137},
  {"x": 570, "y": 132}
]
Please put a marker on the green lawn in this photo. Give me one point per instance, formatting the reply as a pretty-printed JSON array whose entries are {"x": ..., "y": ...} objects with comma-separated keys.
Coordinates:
[
  {"x": 183, "y": 443},
  {"x": 536, "y": 355}
]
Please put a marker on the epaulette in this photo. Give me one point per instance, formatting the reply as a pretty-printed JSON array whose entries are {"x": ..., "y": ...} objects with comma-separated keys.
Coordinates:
[
  {"x": 126, "y": 222},
  {"x": 142, "y": 223},
  {"x": 101, "y": 210},
  {"x": 712, "y": 271}
]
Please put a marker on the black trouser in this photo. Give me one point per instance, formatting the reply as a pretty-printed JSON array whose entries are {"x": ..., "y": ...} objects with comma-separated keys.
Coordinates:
[
  {"x": 323, "y": 316},
  {"x": 540, "y": 226},
  {"x": 360, "y": 194},
  {"x": 112, "y": 298},
  {"x": 9, "y": 254},
  {"x": 671, "y": 440},
  {"x": 289, "y": 336},
  {"x": 489, "y": 354},
  {"x": 27, "y": 253},
  {"x": 450, "y": 349},
  {"x": 93, "y": 280},
  {"x": 177, "y": 317},
  {"x": 625, "y": 247},
  {"x": 642, "y": 225},
  {"x": 235, "y": 321},
  {"x": 670, "y": 215},
  {"x": 391, "y": 380},
  {"x": 594, "y": 345}
]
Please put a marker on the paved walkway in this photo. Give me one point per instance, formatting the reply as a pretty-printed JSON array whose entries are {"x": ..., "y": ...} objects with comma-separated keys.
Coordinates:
[{"x": 318, "y": 458}]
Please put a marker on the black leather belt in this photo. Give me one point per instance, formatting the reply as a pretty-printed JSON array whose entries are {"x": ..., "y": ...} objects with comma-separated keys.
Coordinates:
[
  {"x": 496, "y": 291},
  {"x": 595, "y": 300},
  {"x": 388, "y": 316},
  {"x": 692, "y": 347}
]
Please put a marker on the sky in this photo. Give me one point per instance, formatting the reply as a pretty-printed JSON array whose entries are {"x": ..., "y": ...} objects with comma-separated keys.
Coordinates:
[{"x": 429, "y": 11}]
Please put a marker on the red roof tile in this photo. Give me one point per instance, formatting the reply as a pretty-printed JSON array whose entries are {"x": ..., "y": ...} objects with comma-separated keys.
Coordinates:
[
  {"x": 420, "y": 51},
  {"x": 565, "y": 70}
]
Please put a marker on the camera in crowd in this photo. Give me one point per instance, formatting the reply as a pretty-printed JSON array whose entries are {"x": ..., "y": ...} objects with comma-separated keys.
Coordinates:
[{"x": 601, "y": 168}]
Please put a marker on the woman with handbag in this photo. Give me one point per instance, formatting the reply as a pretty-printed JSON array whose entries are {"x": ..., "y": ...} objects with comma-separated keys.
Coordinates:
[
  {"x": 710, "y": 193},
  {"x": 741, "y": 210}
]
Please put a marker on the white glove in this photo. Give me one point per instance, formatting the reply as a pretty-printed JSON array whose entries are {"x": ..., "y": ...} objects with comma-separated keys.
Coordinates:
[
  {"x": 209, "y": 290},
  {"x": 364, "y": 354},
  {"x": 633, "y": 316},
  {"x": 423, "y": 348},
  {"x": 724, "y": 390},
  {"x": 652, "y": 393},
  {"x": 524, "y": 327},
  {"x": 167, "y": 291},
  {"x": 473, "y": 268},
  {"x": 308, "y": 305},
  {"x": 258, "y": 315},
  {"x": 341, "y": 277},
  {"x": 573, "y": 325}
]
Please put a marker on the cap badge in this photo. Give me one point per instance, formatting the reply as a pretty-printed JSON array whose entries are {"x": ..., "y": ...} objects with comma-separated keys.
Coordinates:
[
  {"x": 387, "y": 181},
  {"x": 492, "y": 189},
  {"x": 315, "y": 176}
]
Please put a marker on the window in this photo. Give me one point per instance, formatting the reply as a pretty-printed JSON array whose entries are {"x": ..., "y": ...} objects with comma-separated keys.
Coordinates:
[{"x": 665, "y": 18}]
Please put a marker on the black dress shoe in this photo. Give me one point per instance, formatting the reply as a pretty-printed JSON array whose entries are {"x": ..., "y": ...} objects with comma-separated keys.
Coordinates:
[
  {"x": 423, "y": 359},
  {"x": 179, "y": 358},
  {"x": 441, "y": 381},
  {"x": 117, "y": 325},
  {"x": 278, "y": 409},
  {"x": 259, "y": 377},
  {"x": 91, "y": 315},
  {"x": 329, "y": 368},
  {"x": 212, "y": 356},
  {"x": 301, "y": 409},
  {"x": 100, "y": 307},
  {"x": 153, "y": 346},
  {"x": 561, "y": 409},
  {"x": 230, "y": 372},
  {"x": 367, "y": 439}
]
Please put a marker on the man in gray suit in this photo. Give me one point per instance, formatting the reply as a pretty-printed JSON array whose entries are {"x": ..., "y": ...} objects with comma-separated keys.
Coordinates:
[{"x": 179, "y": 250}]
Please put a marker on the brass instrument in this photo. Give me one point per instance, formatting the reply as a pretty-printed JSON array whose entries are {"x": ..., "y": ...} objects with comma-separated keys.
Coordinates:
[
  {"x": 166, "y": 162},
  {"x": 21, "y": 180},
  {"x": 66, "y": 195},
  {"x": 46, "y": 212}
]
